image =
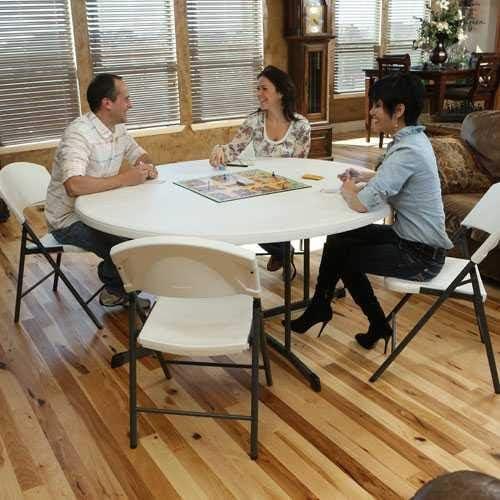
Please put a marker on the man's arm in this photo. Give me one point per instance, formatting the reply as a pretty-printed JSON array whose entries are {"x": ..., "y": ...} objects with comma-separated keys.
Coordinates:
[
  {"x": 138, "y": 157},
  {"x": 85, "y": 184}
]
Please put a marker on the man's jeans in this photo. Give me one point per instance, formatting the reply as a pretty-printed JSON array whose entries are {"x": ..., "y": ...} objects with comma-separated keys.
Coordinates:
[{"x": 83, "y": 236}]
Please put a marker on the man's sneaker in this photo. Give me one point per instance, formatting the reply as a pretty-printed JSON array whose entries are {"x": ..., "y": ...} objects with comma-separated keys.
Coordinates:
[{"x": 108, "y": 298}]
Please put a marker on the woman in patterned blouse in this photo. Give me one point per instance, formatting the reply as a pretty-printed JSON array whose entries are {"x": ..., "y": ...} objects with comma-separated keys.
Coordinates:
[{"x": 275, "y": 130}]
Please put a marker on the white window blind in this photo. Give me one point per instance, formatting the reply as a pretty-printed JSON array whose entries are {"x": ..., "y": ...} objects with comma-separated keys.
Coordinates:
[
  {"x": 357, "y": 29},
  {"x": 226, "y": 55},
  {"x": 402, "y": 26},
  {"x": 38, "y": 89},
  {"x": 135, "y": 39}
]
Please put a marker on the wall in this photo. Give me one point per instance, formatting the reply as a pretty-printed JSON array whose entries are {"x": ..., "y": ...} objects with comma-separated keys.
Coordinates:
[{"x": 173, "y": 143}]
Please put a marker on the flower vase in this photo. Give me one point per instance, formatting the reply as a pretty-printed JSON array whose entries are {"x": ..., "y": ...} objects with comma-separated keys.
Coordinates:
[{"x": 439, "y": 54}]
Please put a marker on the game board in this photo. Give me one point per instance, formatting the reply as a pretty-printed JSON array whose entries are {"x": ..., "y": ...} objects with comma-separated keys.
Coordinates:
[{"x": 230, "y": 186}]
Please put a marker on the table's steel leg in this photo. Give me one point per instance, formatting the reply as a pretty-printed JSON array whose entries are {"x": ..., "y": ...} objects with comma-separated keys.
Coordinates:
[
  {"x": 121, "y": 358},
  {"x": 286, "y": 349},
  {"x": 287, "y": 294},
  {"x": 307, "y": 269}
]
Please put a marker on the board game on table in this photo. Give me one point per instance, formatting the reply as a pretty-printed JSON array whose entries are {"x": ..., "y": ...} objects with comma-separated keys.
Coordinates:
[{"x": 229, "y": 186}]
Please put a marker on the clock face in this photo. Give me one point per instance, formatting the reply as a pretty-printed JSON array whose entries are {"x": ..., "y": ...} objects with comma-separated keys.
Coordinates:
[{"x": 314, "y": 16}]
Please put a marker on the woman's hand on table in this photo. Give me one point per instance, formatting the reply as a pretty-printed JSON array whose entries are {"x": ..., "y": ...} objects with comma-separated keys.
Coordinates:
[
  {"x": 217, "y": 156},
  {"x": 349, "y": 192},
  {"x": 357, "y": 175}
]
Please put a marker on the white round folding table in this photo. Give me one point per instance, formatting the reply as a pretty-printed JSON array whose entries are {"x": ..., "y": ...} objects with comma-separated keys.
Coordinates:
[{"x": 161, "y": 207}]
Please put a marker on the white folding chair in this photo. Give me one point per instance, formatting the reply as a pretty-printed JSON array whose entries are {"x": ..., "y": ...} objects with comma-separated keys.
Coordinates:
[
  {"x": 459, "y": 278},
  {"x": 24, "y": 185},
  {"x": 208, "y": 305}
]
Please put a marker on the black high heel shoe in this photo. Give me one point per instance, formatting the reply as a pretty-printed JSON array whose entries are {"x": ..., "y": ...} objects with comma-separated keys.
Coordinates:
[
  {"x": 369, "y": 339},
  {"x": 318, "y": 311}
]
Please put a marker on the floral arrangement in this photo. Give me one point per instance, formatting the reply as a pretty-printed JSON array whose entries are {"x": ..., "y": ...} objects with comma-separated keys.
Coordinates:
[{"x": 448, "y": 20}]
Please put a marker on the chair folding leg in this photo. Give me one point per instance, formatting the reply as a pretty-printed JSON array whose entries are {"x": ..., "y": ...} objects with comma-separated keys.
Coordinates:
[
  {"x": 63, "y": 277},
  {"x": 394, "y": 326},
  {"x": 132, "y": 342},
  {"x": 57, "y": 271},
  {"x": 421, "y": 322},
  {"x": 482, "y": 324},
  {"x": 392, "y": 319},
  {"x": 263, "y": 345},
  {"x": 20, "y": 276},
  {"x": 254, "y": 428},
  {"x": 394, "y": 354},
  {"x": 95, "y": 294}
]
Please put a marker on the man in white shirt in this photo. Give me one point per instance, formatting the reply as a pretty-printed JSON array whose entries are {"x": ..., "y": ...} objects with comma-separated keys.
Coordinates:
[{"x": 89, "y": 160}]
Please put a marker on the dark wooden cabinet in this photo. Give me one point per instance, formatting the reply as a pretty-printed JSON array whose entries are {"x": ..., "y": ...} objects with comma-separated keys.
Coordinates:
[
  {"x": 321, "y": 141},
  {"x": 308, "y": 32}
]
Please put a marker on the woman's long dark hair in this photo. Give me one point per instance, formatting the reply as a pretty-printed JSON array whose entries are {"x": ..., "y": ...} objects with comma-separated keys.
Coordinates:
[{"x": 285, "y": 87}]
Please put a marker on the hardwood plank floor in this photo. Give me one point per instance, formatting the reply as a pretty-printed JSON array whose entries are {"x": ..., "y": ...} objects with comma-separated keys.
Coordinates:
[{"x": 64, "y": 414}]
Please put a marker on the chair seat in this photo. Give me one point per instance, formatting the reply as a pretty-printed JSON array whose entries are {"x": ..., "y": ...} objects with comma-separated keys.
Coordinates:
[
  {"x": 48, "y": 241},
  {"x": 199, "y": 327},
  {"x": 441, "y": 282}
]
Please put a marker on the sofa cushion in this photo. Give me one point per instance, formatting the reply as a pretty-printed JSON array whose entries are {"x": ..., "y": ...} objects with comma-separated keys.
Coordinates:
[
  {"x": 481, "y": 131},
  {"x": 456, "y": 207},
  {"x": 457, "y": 167}
]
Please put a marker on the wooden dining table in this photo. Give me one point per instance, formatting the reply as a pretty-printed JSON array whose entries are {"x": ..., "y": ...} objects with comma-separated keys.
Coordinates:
[{"x": 439, "y": 76}]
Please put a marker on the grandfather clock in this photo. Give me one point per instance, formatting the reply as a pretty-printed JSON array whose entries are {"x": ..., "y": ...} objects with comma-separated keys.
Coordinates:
[{"x": 308, "y": 30}]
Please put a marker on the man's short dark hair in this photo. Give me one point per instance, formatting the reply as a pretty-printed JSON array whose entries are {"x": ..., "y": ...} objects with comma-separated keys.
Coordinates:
[
  {"x": 400, "y": 88},
  {"x": 101, "y": 86}
]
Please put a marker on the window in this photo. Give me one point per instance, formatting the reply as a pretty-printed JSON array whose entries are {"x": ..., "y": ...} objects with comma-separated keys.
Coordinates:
[
  {"x": 136, "y": 39},
  {"x": 356, "y": 47},
  {"x": 360, "y": 38},
  {"x": 226, "y": 55},
  {"x": 38, "y": 88},
  {"x": 402, "y": 27}
]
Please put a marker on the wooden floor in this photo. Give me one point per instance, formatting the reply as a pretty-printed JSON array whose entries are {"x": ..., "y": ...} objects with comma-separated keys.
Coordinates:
[{"x": 64, "y": 417}]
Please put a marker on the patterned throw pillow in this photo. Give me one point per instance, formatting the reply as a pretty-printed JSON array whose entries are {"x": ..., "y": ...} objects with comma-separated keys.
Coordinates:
[
  {"x": 458, "y": 170},
  {"x": 481, "y": 131}
]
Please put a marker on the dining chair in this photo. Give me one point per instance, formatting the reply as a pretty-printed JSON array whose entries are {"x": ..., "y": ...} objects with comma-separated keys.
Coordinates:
[
  {"x": 484, "y": 84},
  {"x": 389, "y": 63},
  {"x": 24, "y": 185},
  {"x": 208, "y": 305},
  {"x": 459, "y": 279}
]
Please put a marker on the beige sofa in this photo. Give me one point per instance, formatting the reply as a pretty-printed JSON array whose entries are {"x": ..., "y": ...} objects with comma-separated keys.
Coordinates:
[{"x": 468, "y": 165}]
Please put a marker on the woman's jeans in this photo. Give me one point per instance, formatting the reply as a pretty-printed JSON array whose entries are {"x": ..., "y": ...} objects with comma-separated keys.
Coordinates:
[
  {"x": 99, "y": 243},
  {"x": 374, "y": 249}
]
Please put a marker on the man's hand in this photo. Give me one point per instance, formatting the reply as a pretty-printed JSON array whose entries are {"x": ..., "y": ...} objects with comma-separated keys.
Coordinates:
[
  {"x": 150, "y": 168},
  {"x": 135, "y": 175}
]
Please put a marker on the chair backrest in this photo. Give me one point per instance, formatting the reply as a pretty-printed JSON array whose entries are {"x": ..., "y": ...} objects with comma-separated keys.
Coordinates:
[
  {"x": 23, "y": 185},
  {"x": 175, "y": 266},
  {"x": 487, "y": 74},
  {"x": 392, "y": 63},
  {"x": 484, "y": 216}
]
